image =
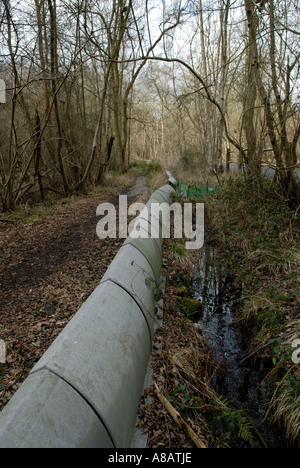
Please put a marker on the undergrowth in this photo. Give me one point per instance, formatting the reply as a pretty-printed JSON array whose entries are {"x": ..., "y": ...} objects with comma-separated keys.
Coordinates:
[
  {"x": 258, "y": 236},
  {"x": 184, "y": 369}
]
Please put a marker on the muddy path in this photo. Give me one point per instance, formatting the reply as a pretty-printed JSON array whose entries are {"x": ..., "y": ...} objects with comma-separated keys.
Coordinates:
[
  {"x": 30, "y": 253},
  {"x": 47, "y": 270},
  {"x": 33, "y": 254}
]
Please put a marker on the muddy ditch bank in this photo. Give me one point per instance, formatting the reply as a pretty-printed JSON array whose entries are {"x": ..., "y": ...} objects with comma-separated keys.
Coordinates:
[{"x": 243, "y": 378}]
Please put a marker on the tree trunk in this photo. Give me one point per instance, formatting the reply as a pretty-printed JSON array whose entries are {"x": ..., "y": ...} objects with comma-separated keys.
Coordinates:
[
  {"x": 209, "y": 143},
  {"x": 54, "y": 73},
  {"x": 251, "y": 91},
  {"x": 38, "y": 155},
  {"x": 281, "y": 147},
  {"x": 39, "y": 4},
  {"x": 222, "y": 84}
]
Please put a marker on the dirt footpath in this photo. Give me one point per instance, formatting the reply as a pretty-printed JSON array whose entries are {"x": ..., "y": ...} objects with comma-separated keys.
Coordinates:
[{"x": 48, "y": 268}]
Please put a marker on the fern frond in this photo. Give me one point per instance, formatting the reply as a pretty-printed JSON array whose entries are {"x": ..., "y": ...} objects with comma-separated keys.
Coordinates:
[{"x": 245, "y": 431}]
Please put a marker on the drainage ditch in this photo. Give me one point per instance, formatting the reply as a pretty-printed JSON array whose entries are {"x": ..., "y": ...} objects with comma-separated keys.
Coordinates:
[
  {"x": 243, "y": 379},
  {"x": 139, "y": 187}
]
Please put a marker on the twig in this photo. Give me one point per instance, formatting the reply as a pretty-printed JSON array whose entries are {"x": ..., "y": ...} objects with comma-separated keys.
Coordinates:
[
  {"x": 254, "y": 352},
  {"x": 178, "y": 419},
  {"x": 216, "y": 174}
]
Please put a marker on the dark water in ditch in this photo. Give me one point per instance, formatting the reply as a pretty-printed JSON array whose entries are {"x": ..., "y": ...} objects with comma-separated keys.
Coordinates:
[
  {"x": 243, "y": 380},
  {"x": 139, "y": 187}
]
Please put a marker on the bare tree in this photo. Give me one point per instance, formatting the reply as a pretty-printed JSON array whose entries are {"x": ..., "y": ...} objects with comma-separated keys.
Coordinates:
[
  {"x": 224, "y": 13},
  {"x": 283, "y": 147}
]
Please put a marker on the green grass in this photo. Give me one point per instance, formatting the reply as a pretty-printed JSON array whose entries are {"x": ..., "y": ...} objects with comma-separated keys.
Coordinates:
[{"x": 147, "y": 167}]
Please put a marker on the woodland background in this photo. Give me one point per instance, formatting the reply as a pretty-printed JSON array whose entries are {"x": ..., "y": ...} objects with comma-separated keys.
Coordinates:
[{"x": 96, "y": 84}]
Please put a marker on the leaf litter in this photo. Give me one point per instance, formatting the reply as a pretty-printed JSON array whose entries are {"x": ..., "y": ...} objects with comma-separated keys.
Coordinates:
[{"x": 48, "y": 269}]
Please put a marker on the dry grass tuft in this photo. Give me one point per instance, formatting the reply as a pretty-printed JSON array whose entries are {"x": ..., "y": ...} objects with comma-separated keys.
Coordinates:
[
  {"x": 157, "y": 179},
  {"x": 287, "y": 410},
  {"x": 181, "y": 257}
]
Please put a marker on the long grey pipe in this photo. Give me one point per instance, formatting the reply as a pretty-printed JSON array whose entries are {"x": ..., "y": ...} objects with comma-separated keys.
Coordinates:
[{"x": 85, "y": 391}]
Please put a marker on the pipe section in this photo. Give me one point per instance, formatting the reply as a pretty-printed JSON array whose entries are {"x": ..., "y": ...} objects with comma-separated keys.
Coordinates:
[{"x": 85, "y": 390}]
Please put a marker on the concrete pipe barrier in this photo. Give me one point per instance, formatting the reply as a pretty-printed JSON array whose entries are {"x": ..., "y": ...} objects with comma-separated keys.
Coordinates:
[
  {"x": 85, "y": 390},
  {"x": 171, "y": 180}
]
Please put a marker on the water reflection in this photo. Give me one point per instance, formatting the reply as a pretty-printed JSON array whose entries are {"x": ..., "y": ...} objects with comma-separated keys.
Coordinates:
[
  {"x": 220, "y": 298},
  {"x": 243, "y": 381}
]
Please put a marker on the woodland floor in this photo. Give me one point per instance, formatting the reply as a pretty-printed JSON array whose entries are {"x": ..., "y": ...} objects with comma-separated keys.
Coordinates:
[{"x": 51, "y": 261}]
